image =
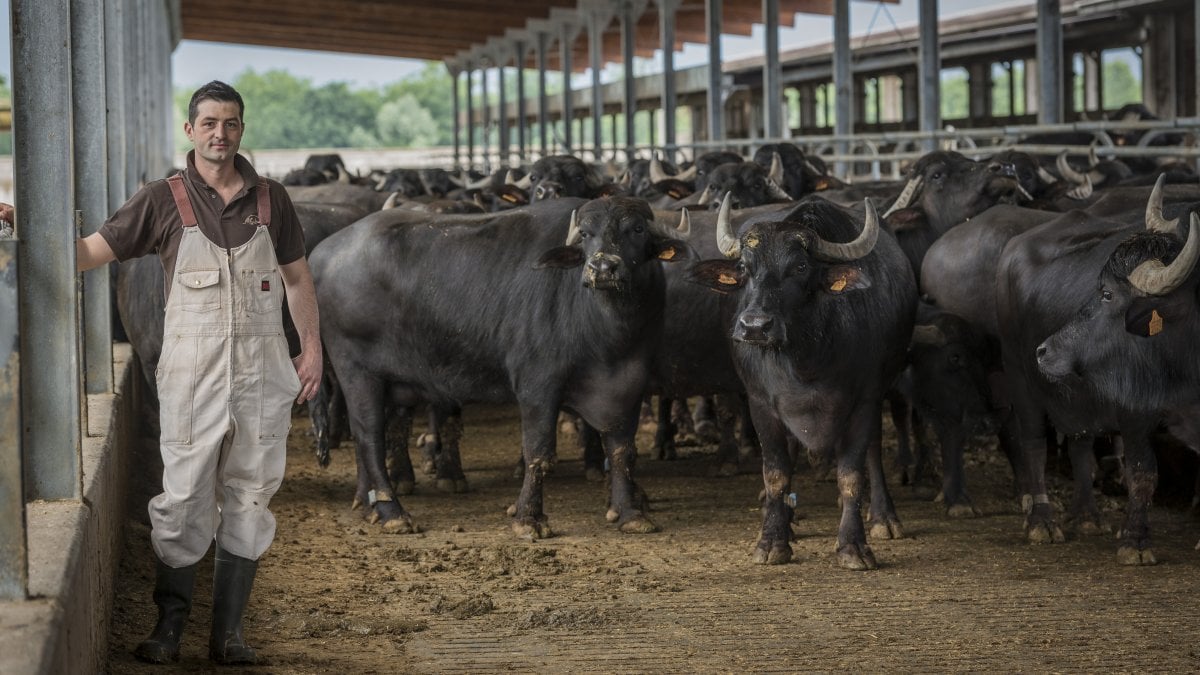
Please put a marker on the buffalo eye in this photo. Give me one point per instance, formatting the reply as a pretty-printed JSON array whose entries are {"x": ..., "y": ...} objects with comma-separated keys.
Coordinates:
[
  {"x": 955, "y": 360},
  {"x": 800, "y": 267},
  {"x": 759, "y": 185},
  {"x": 1106, "y": 295},
  {"x": 740, "y": 267},
  {"x": 639, "y": 228},
  {"x": 937, "y": 175}
]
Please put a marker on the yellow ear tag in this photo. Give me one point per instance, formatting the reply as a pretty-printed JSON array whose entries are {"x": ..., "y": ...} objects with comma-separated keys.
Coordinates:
[
  {"x": 838, "y": 285},
  {"x": 1156, "y": 322},
  {"x": 509, "y": 198},
  {"x": 727, "y": 280},
  {"x": 666, "y": 254}
]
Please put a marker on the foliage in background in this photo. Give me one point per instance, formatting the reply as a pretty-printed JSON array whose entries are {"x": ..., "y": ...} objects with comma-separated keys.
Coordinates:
[{"x": 5, "y": 137}]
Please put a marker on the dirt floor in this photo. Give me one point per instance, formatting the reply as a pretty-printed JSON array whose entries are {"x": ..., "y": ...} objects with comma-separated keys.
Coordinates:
[{"x": 336, "y": 595}]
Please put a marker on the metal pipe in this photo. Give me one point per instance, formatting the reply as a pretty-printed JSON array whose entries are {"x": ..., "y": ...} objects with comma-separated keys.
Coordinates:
[
  {"x": 772, "y": 72},
  {"x": 519, "y": 62},
  {"x": 666, "y": 29},
  {"x": 486, "y": 140},
  {"x": 568, "y": 37},
  {"x": 50, "y": 387},
  {"x": 14, "y": 553},
  {"x": 544, "y": 102},
  {"x": 629, "y": 103},
  {"x": 502, "y": 132},
  {"x": 843, "y": 82},
  {"x": 470, "y": 119},
  {"x": 132, "y": 101},
  {"x": 115, "y": 66},
  {"x": 929, "y": 67},
  {"x": 1050, "y": 59},
  {"x": 596, "y": 58},
  {"x": 716, "y": 99},
  {"x": 91, "y": 181},
  {"x": 454, "y": 107}
]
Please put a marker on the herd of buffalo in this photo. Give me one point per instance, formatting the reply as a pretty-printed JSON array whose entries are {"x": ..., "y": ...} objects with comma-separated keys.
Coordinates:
[{"x": 1033, "y": 300}]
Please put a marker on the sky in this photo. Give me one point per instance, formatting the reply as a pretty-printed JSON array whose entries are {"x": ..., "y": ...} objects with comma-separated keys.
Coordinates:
[{"x": 195, "y": 63}]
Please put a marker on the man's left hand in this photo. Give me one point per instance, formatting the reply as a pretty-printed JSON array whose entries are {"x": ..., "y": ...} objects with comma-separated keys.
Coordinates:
[{"x": 308, "y": 368}]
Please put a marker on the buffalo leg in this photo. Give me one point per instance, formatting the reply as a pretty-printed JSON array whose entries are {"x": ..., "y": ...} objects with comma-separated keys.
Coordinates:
[
  {"x": 664, "y": 434},
  {"x": 954, "y": 481},
  {"x": 400, "y": 468},
  {"x": 1041, "y": 525},
  {"x": 450, "y": 477},
  {"x": 593, "y": 452},
  {"x": 1084, "y": 513},
  {"x": 863, "y": 431},
  {"x": 727, "y": 409},
  {"x": 774, "y": 545},
  {"x": 538, "y": 420},
  {"x": 319, "y": 414},
  {"x": 901, "y": 413},
  {"x": 883, "y": 521},
  {"x": 627, "y": 501},
  {"x": 1141, "y": 477},
  {"x": 365, "y": 403},
  {"x": 704, "y": 420}
]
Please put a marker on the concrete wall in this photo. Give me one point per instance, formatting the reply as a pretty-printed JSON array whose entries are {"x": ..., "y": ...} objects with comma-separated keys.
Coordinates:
[{"x": 74, "y": 548}]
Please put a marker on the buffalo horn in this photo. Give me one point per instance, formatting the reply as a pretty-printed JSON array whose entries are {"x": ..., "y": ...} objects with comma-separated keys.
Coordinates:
[
  {"x": 856, "y": 249},
  {"x": 1064, "y": 168},
  {"x": 813, "y": 168},
  {"x": 573, "y": 235},
  {"x": 657, "y": 175},
  {"x": 456, "y": 180},
  {"x": 705, "y": 197},
  {"x": 1047, "y": 177},
  {"x": 525, "y": 183},
  {"x": 480, "y": 184},
  {"x": 688, "y": 175},
  {"x": 928, "y": 334},
  {"x": 776, "y": 192},
  {"x": 391, "y": 201},
  {"x": 727, "y": 240},
  {"x": 1093, "y": 160},
  {"x": 510, "y": 177},
  {"x": 343, "y": 176},
  {"x": 776, "y": 172},
  {"x": 424, "y": 183},
  {"x": 1083, "y": 190},
  {"x": 1154, "y": 278},
  {"x": 683, "y": 229},
  {"x": 1154, "y": 216},
  {"x": 906, "y": 195}
]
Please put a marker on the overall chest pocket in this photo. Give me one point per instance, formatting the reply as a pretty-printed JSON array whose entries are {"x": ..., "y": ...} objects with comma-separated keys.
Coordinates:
[
  {"x": 263, "y": 290},
  {"x": 199, "y": 290}
]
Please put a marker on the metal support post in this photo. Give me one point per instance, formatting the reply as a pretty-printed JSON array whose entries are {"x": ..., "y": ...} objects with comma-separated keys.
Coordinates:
[
  {"x": 772, "y": 92},
  {"x": 596, "y": 25},
  {"x": 1050, "y": 59},
  {"x": 566, "y": 46},
  {"x": 544, "y": 102},
  {"x": 629, "y": 104},
  {"x": 666, "y": 29},
  {"x": 502, "y": 136},
  {"x": 522, "y": 121},
  {"x": 115, "y": 66},
  {"x": 716, "y": 101},
  {"x": 929, "y": 71},
  {"x": 14, "y": 547},
  {"x": 487, "y": 118},
  {"x": 843, "y": 82},
  {"x": 455, "y": 112},
  {"x": 470, "y": 118}
]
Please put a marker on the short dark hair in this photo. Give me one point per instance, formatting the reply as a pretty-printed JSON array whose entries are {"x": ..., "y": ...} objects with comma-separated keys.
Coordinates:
[{"x": 215, "y": 91}]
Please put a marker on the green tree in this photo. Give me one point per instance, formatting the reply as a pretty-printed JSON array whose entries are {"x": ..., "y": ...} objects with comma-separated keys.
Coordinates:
[
  {"x": 954, "y": 93},
  {"x": 1121, "y": 86},
  {"x": 430, "y": 89},
  {"x": 404, "y": 122},
  {"x": 6, "y": 136}
]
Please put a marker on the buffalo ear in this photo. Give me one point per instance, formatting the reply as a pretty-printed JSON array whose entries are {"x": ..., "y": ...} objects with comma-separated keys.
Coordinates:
[
  {"x": 562, "y": 257},
  {"x": 719, "y": 275},
  {"x": 906, "y": 219},
  {"x": 671, "y": 250},
  {"x": 845, "y": 278},
  {"x": 1148, "y": 317}
]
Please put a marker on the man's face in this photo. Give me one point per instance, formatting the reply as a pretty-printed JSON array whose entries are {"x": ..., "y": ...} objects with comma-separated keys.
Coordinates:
[{"x": 217, "y": 132}]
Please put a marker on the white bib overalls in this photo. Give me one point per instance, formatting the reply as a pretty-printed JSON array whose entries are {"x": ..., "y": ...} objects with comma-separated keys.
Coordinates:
[{"x": 225, "y": 386}]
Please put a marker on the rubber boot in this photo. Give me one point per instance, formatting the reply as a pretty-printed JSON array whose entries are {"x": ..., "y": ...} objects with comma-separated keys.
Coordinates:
[
  {"x": 233, "y": 576},
  {"x": 173, "y": 595}
]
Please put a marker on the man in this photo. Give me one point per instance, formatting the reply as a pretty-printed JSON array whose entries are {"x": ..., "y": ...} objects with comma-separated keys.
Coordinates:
[{"x": 226, "y": 238}]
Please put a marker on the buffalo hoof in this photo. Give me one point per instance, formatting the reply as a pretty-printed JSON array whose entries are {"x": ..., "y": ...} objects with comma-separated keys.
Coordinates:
[
  {"x": 856, "y": 557},
  {"x": 593, "y": 475},
  {"x": 1043, "y": 532},
  {"x": 777, "y": 554},
  {"x": 963, "y": 509},
  {"x": 1091, "y": 527},
  {"x": 707, "y": 432},
  {"x": 405, "y": 487},
  {"x": 639, "y": 524},
  {"x": 1128, "y": 555},
  {"x": 887, "y": 529},
  {"x": 395, "y": 520},
  {"x": 532, "y": 528},
  {"x": 612, "y": 515},
  {"x": 357, "y": 503},
  {"x": 429, "y": 467},
  {"x": 454, "y": 485}
]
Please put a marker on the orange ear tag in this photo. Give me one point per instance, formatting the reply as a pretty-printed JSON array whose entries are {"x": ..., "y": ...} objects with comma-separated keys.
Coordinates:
[
  {"x": 1156, "y": 323},
  {"x": 838, "y": 285},
  {"x": 666, "y": 254},
  {"x": 727, "y": 280}
]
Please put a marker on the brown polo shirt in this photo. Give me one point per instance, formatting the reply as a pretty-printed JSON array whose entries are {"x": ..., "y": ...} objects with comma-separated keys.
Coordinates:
[{"x": 150, "y": 223}]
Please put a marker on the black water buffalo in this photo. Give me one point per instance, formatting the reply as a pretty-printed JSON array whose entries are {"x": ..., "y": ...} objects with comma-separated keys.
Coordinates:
[
  {"x": 563, "y": 176},
  {"x": 1106, "y": 341},
  {"x": 362, "y": 196},
  {"x": 820, "y": 331},
  {"x": 747, "y": 184},
  {"x": 488, "y": 308}
]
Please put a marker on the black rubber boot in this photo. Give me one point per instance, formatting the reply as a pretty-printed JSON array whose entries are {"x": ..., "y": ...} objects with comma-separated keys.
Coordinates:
[
  {"x": 173, "y": 595},
  {"x": 233, "y": 576}
]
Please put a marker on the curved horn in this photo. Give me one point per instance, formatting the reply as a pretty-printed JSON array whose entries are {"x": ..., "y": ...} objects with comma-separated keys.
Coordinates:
[
  {"x": 856, "y": 249},
  {"x": 1093, "y": 160},
  {"x": 456, "y": 180},
  {"x": 1154, "y": 216},
  {"x": 1047, "y": 177},
  {"x": 776, "y": 172},
  {"x": 1064, "y": 168},
  {"x": 510, "y": 177},
  {"x": 424, "y": 182},
  {"x": 727, "y": 240},
  {"x": 813, "y": 168},
  {"x": 391, "y": 201},
  {"x": 573, "y": 235},
  {"x": 1083, "y": 190},
  {"x": 688, "y": 175},
  {"x": 657, "y": 175},
  {"x": 525, "y": 183},
  {"x": 480, "y": 184},
  {"x": 1154, "y": 278},
  {"x": 343, "y": 175},
  {"x": 683, "y": 229},
  {"x": 776, "y": 192},
  {"x": 906, "y": 195},
  {"x": 706, "y": 196},
  {"x": 928, "y": 334}
]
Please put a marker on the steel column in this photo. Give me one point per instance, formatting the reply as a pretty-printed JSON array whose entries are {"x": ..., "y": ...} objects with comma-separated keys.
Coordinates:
[
  {"x": 543, "y": 102},
  {"x": 14, "y": 548},
  {"x": 1196, "y": 56},
  {"x": 486, "y": 141},
  {"x": 50, "y": 390},
  {"x": 1050, "y": 61},
  {"x": 519, "y": 62},
  {"x": 596, "y": 25},
  {"x": 114, "y": 93},
  {"x": 133, "y": 118},
  {"x": 502, "y": 136},
  {"x": 455, "y": 107},
  {"x": 628, "y": 104},
  {"x": 716, "y": 117},
  {"x": 772, "y": 72},
  {"x": 568, "y": 38},
  {"x": 929, "y": 67},
  {"x": 91, "y": 181},
  {"x": 470, "y": 118},
  {"x": 666, "y": 30},
  {"x": 843, "y": 82}
]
